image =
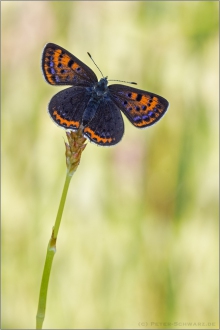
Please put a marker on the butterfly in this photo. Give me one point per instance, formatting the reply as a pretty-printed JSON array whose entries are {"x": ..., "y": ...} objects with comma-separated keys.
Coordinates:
[{"x": 92, "y": 105}]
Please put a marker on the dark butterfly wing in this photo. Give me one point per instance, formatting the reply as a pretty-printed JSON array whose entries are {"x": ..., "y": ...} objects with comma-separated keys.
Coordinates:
[
  {"x": 62, "y": 68},
  {"x": 66, "y": 107},
  {"x": 107, "y": 127},
  {"x": 142, "y": 108}
]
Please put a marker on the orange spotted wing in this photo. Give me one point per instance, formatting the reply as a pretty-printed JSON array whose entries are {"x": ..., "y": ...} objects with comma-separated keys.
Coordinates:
[
  {"x": 62, "y": 68},
  {"x": 142, "y": 108}
]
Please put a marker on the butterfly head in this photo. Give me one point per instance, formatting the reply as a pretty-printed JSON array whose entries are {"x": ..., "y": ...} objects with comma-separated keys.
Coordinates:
[{"x": 101, "y": 86}]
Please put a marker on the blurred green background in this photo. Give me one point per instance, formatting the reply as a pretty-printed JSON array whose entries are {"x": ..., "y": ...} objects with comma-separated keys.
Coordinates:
[{"x": 138, "y": 244}]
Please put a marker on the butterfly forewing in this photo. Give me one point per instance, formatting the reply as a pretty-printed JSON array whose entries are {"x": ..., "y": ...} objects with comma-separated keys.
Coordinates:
[
  {"x": 142, "y": 108},
  {"x": 62, "y": 68}
]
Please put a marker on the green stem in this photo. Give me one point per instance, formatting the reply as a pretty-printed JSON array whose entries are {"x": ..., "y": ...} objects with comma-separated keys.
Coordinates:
[
  {"x": 51, "y": 249},
  {"x": 61, "y": 207}
]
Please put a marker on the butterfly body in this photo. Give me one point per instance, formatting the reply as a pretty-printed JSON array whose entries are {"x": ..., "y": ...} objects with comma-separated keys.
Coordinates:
[
  {"x": 92, "y": 105},
  {"x": 98, "y": 93}
]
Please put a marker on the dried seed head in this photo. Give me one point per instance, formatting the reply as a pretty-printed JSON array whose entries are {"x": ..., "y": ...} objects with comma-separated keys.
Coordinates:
[{"x": 74, "y": 150}]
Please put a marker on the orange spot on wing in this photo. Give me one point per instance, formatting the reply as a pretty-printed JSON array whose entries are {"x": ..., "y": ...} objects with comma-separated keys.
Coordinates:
[
  {"x": 64, "y": 60},
  {"x": 145, "y": 101},
  {"x": 56, "y": 55},
  {"x": 64, "y": 121},
  {"x": 144, "y": 123},
  {"x": 97, "y": 137},
  {"x": 144, "y": 98},
  {"x": 153, "y": 103},
  {"x": 49, "y": 78},
  {"x": 74, "y": 66}
]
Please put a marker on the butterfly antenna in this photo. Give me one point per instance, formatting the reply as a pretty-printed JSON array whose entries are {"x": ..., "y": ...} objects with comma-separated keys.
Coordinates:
[
  {"x": 127, "y": 82},
  {"x": 95, "y": 64}
]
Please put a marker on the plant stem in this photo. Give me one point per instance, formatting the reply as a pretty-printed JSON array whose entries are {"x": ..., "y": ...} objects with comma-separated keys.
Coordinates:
[
  {"x": 51, "y": 249},
  {"x": 61, "y": 207}
]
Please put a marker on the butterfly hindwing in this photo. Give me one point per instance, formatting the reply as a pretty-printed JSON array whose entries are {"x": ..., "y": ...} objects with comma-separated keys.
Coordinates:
[
  {"x": 107, "y": 127},
  {"x": 67, "y": 107},
  {"x": 62, "y": 68},
  {"x": 142, "y": 108}
]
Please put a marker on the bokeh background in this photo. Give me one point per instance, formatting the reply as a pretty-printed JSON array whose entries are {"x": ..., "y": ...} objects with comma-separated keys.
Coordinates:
[{"x": 138, "y": 243}]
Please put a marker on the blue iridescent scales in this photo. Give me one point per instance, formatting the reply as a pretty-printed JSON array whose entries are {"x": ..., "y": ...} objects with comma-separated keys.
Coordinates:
[{"x": 92, "y": 105}]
